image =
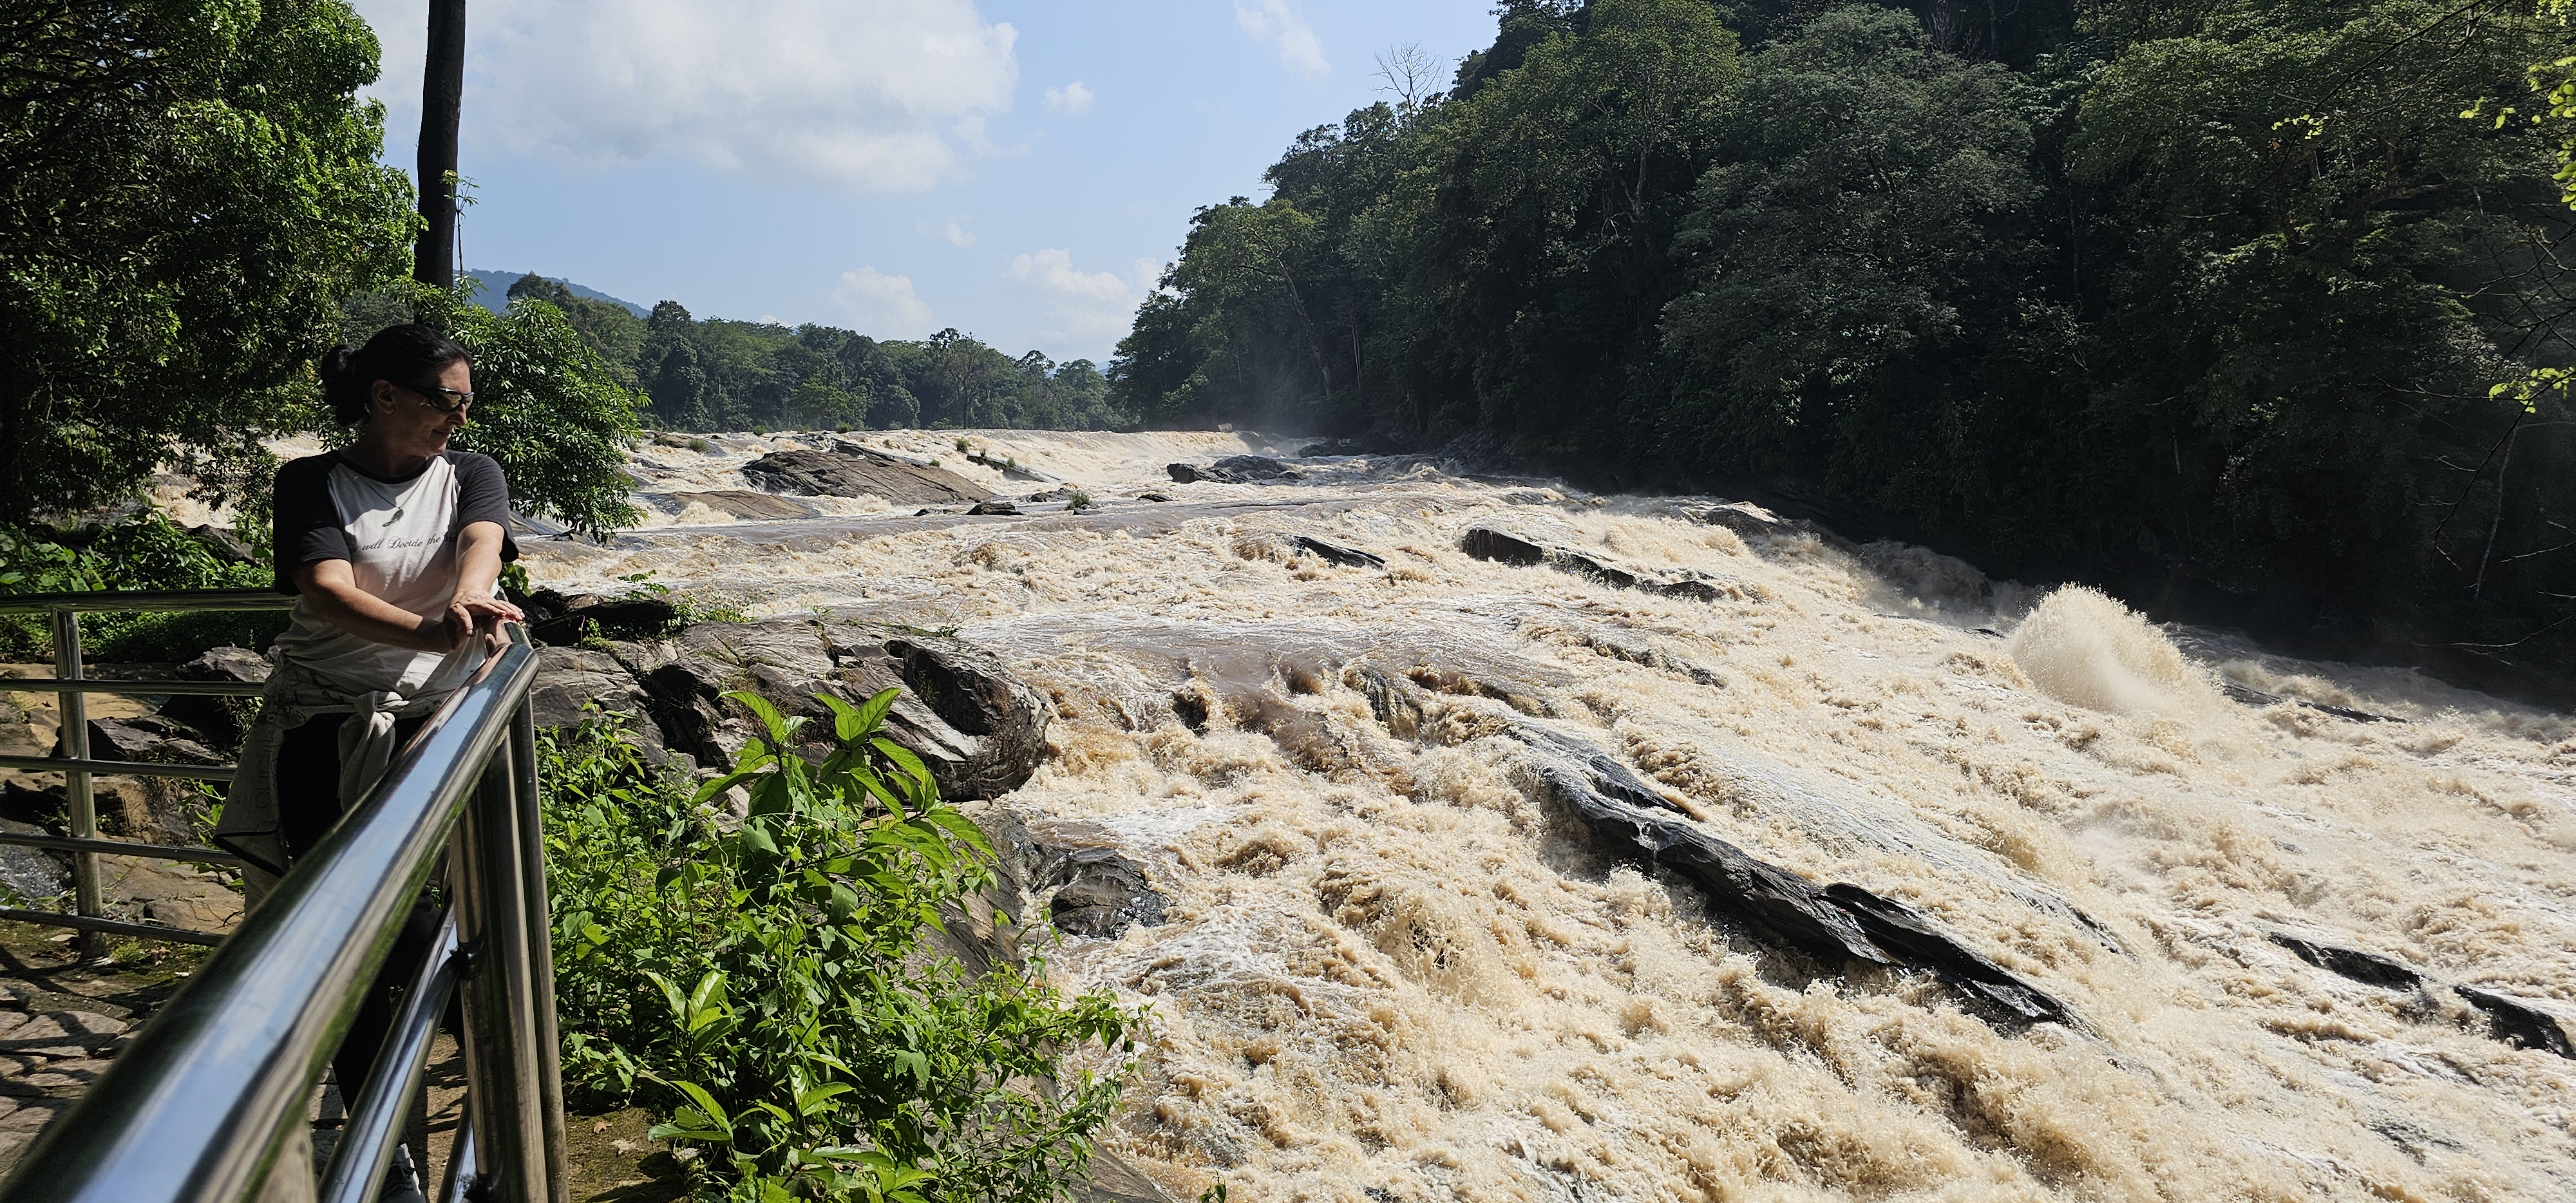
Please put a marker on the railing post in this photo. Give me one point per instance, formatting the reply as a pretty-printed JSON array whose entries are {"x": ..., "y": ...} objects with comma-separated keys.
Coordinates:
[
  {"x": 541, "y": 943},
  {"x": 72, "y": 707},
  {"x": 504, "y": 1094}
]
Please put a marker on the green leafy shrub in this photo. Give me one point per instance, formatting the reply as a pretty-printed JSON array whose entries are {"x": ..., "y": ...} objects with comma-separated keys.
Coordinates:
[
  {"x": 143, "y": 550},
  {"x": 773, "y": 986}
]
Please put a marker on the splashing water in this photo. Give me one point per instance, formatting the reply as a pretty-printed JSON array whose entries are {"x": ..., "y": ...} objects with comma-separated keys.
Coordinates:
[
  {"x": 2083, "y": 648},
  {"x": 1390, "y": 971}
]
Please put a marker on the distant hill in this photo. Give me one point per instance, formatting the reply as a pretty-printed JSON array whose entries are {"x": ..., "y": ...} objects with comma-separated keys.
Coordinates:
[{"x": 495, "y": 293}]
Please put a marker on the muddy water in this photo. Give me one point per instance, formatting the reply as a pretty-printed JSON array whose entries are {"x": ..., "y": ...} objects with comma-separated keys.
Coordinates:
[{"x": 1391, "y": 972}]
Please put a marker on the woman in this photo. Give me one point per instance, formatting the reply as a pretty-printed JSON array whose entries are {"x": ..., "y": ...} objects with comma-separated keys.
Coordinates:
[{"x": 392, "y": 548}]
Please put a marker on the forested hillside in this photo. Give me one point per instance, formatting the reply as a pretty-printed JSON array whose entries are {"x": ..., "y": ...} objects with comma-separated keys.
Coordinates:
[
  {"x": 2249, "y": 309},
  {"x": 727, "y": 375}
]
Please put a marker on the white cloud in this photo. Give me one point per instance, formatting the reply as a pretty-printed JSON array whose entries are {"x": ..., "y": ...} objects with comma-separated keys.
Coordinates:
[
  {"x": 867, "y": 95},
  {"x": 1072, "y": 100},
  {"x": 883, "y": 306},
  {"x": 1083, "y": 306},
  {"x": 1278, "y": 21},
  {"x": 953, "y": 231}
]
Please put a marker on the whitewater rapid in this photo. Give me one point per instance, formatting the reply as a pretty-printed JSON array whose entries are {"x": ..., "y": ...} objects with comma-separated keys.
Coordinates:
[{"x": 1390, "y": 972}]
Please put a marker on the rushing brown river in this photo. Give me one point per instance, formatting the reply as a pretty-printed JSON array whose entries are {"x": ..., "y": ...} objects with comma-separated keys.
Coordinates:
[{"x": 1391, "y": 969}]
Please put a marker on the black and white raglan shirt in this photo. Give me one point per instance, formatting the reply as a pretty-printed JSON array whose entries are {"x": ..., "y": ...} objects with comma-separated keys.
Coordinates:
[{"x": 399, "y": 537}]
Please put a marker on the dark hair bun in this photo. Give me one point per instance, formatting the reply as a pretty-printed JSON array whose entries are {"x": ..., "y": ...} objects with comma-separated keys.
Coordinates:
[{"x": 408, "y": 355}]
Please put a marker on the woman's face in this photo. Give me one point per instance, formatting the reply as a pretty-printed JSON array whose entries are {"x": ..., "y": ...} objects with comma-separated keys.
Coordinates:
[{"x": 407, "y": 417}]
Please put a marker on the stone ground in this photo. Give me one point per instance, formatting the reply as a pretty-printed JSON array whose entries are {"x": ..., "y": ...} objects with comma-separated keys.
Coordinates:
[{"x": 62, "y": 1020}]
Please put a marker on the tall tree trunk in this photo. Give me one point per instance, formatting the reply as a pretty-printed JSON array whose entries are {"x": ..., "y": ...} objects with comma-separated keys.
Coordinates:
[{"x": 442, "y": 99}]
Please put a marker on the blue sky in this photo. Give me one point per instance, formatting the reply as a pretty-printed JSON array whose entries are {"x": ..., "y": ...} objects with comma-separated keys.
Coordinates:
[{"x": 1019, "y": 171}]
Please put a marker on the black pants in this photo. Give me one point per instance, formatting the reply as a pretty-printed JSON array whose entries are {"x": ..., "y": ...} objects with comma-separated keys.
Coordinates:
[{"x": 309, "y": 805}]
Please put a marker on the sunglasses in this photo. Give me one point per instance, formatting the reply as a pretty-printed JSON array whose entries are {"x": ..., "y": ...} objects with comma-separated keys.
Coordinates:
[{"x": 444, "y": 400}]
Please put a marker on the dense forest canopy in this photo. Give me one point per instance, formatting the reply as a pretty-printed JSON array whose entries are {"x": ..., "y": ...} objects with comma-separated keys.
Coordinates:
[
  {"x": 2255, "y": 310},
  {"x": 715, "y": 374}
]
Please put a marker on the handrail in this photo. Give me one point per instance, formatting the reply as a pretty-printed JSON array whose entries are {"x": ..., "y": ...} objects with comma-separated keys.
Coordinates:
[
  {"x": 124, "y": 600},
  {"x": 207, "y": 1105},
  {"x": 71, "y": 686}
]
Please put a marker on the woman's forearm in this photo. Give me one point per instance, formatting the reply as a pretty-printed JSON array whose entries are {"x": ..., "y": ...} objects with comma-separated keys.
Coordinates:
[
  {"x": 478, "y": 560},
  {"x": 331, "y": 589}
]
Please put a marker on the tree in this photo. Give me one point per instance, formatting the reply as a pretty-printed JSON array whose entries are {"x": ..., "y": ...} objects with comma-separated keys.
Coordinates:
[
  {"x": 1861, "y": 241},
  {"x": 547, "y": 406},
  {"x": 187, "y": 189},
  {"x": 1541, "y": 238},
  {"x": 442, "y": 99},
  {"x": 2327, "y": 268},
  {"x": 610, "y": 329}
]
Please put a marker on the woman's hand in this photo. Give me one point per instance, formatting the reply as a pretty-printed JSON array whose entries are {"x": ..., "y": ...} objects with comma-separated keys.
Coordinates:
[{"x": 466, "y": 611}]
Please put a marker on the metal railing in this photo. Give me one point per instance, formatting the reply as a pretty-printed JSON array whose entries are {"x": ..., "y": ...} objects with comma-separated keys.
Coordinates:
[
  {"x": 209, "y": 1103},
  {"x": 72, "y": 686}
]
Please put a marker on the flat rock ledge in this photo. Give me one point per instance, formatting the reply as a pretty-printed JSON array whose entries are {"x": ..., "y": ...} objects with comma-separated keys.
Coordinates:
[{"x": 851, "y": 470}]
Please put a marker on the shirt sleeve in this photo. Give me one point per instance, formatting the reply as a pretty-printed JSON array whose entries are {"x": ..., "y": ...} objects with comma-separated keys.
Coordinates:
[
  {"x": 483, "y": 495},
  {"x": 305, "y": 525}
]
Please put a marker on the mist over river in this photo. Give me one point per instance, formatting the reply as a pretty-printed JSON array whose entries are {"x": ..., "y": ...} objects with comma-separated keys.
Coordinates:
[{"x": 1393, "y": 969}]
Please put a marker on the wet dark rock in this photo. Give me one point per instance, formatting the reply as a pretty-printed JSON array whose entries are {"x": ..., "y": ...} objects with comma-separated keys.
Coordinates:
[
  {"x": 1395, "y": 701},
  {"x": 983, "y": 509},
  {"x": 238, "y": 665},
  {"x": 223, "y": 545},
  {"x": 2256, "y": 697},
  {"x": 2520, "y": 1023},
  {"x": 971, "y": 691},
  {"x": 642, "y": 614},
  {"x": 980, "y": 729},
  {"x": 1373, "y": 443},
  {"x": 1834, "y": 923},
  {"x": 220, "y": 720},
  {"x": 1110, "y": 1180},
  {"x": 155, "y": 809},
  {"x": 570, "y": 679},
  {"x": 2353, "y": 963},
  {"x": 1912, "y": 938},
  {"x": 34, "y": 874},
  {"x": 744, "y": 504},
  {"x": 1746, "y": 518},
  {"x": 1233, "y": 470},
  {"x": 854, "y": 471},
  {"x": 1487, "y": 543},
  {"x": 1347, "y": 557},
  {"x": 1098, "y": 893},
  {"x": 1253, "y": 467},
  {"x": 1009, "y": 470},
  {"x": 1583, "y": 565},
  {"x": 1153, "y": 497},
  {"x": 1635, "y": 651},
  {"x": 151, "y": 739}
]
